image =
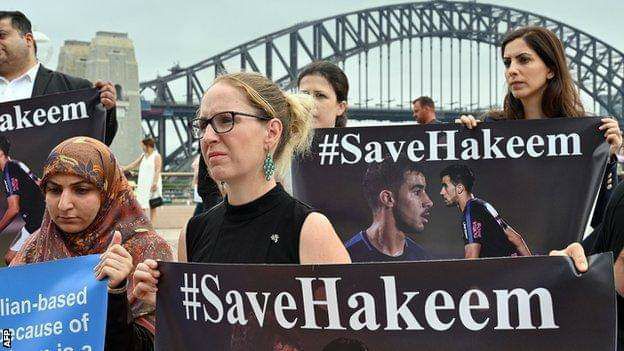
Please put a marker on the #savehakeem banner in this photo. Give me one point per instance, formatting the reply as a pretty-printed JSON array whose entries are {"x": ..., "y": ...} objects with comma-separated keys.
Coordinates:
[
  {"x": 508, "y": 188},
  {"x": 53, "y": 306},
  {"x": 523, "y": 303},
  {"x": 35, "y": 126}
]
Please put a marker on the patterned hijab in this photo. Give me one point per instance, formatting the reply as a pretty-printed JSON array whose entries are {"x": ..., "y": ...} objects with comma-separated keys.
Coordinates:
[{"x": 92, "y": 161}]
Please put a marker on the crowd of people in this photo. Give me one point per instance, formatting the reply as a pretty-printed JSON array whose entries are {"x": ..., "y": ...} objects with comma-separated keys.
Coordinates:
[{"x": 248, "y": 131}]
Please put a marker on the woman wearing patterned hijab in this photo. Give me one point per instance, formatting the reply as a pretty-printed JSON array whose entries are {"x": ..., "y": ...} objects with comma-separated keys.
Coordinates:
[{"x": 90, "y": 209}]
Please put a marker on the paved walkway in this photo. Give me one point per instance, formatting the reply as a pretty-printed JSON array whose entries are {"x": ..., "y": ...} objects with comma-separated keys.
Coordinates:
[{"x": 170, "y": 220}]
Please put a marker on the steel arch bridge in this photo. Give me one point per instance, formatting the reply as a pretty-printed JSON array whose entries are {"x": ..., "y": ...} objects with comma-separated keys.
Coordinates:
[{"x": 353, "y": 41}]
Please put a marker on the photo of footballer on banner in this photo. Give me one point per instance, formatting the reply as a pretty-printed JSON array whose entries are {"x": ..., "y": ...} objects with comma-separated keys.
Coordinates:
[
  {"x": 411, "y": 192},
  {"x": 29, "y": 130},
  {"x": 486, "y": 234}
]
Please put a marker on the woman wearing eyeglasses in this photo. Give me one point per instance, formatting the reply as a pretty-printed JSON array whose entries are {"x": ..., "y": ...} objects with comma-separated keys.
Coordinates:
[{"x": 249, "y": 130}]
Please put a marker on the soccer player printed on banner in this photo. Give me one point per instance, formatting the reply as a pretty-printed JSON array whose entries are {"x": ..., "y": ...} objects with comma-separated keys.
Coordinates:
[
  {"x": 486, "y": 233},
  {"x": 345, "y": 344},
  {"x": 23, "y": 197},
  {"x": 397, "y": 196}
]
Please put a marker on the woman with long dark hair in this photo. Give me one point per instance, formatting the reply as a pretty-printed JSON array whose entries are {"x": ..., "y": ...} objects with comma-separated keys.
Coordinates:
[
  {"x": 539, "y": 83},
  {"x": 540, "y": 86}
]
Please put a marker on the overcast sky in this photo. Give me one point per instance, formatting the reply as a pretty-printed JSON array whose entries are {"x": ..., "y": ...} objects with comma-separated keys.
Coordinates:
[{"x": 166, "y": 32}]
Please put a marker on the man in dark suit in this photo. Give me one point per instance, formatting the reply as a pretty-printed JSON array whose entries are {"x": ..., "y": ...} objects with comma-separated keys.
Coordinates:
[{"x": 23, "y": 77}]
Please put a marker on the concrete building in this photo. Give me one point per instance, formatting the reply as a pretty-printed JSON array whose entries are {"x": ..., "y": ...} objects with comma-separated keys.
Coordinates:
[
  {"x": 73, "y": 57},
  {"x": 110, "y": 56}
]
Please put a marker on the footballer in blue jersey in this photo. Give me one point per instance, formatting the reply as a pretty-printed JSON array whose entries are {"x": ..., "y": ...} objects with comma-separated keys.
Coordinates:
[
  {"x": 23, "y": 197},
  {"x": 486, "y": 234},
  {"x": 396, "y": 193}
]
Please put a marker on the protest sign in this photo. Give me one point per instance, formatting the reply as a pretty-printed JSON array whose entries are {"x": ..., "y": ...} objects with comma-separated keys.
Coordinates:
[
  {"x": 53, "y": 306},
  {"x": 34, "y": 126},
  {"x": 509, "y": 188},
  {"x": 522, "y": 303}
]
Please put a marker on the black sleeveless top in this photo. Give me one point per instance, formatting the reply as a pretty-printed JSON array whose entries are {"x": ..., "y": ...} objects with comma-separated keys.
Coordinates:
[{"x": 266, "y": 230}]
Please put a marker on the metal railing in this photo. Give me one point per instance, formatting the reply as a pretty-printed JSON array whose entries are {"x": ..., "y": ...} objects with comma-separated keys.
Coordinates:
[{"x": 177, "y": 186}]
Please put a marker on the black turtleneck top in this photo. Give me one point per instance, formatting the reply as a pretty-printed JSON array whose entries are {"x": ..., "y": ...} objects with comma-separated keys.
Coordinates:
[{"x": 266, "y": 230}]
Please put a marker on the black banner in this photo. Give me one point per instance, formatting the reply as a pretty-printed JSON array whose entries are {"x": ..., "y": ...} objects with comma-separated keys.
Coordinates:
[
  {"x": 533, "y": 182},
  {"x": 527, "y": 303},
  {"x": 35, "y": 126}
]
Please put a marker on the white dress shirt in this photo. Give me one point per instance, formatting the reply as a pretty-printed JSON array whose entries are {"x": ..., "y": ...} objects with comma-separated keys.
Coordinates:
[{"x": 19, "y": 88}]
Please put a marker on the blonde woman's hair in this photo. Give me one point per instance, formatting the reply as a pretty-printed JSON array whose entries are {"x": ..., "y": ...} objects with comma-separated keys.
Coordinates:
[{"x": 293, "y": 110}]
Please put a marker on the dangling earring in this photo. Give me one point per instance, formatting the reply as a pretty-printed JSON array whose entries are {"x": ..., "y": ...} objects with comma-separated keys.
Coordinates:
[{"x": 268, "y": 167}]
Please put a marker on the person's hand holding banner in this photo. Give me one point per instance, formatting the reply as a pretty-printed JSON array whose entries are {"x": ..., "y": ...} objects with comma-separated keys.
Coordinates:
[
  {"x": 145, "y": 280},
  {"x": 467, "y": 120},
  {"x": 612, "y": 133},
  {"x": 115, "y": 263},
  {"x": 108, "y": 95},
  {"x": 576, "y": 252},
  {"x": 618, "y": 271}
]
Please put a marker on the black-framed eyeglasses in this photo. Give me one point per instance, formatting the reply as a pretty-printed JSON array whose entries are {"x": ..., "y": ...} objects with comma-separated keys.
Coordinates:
[{"x": 221, "y": 122}]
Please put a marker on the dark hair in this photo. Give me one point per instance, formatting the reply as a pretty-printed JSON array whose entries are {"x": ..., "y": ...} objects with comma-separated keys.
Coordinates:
[
  {"x": 19, "y": 22},
  {"x": 149, "y": 142},
  {"x": 345, "y": 344},
  {"x": 386, "y": 175},
  {"x": 5, "y": 145},
  {"x": 561, "y": 97},
  {"x": 460, "y": 174},
  {"x": 424, "y": 101},
  {"x": 336, "y": 77}
]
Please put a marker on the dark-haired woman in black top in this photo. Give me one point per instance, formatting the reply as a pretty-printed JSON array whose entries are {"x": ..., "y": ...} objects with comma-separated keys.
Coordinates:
[{"x": 541, "y": 86}]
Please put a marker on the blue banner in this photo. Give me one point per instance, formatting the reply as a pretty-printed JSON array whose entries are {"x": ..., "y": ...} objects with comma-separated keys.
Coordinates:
[{"x": 53, "y": 306}]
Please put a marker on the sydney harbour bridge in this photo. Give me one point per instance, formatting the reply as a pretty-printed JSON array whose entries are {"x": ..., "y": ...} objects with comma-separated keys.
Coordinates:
[{"x": 444, "y": 49}]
